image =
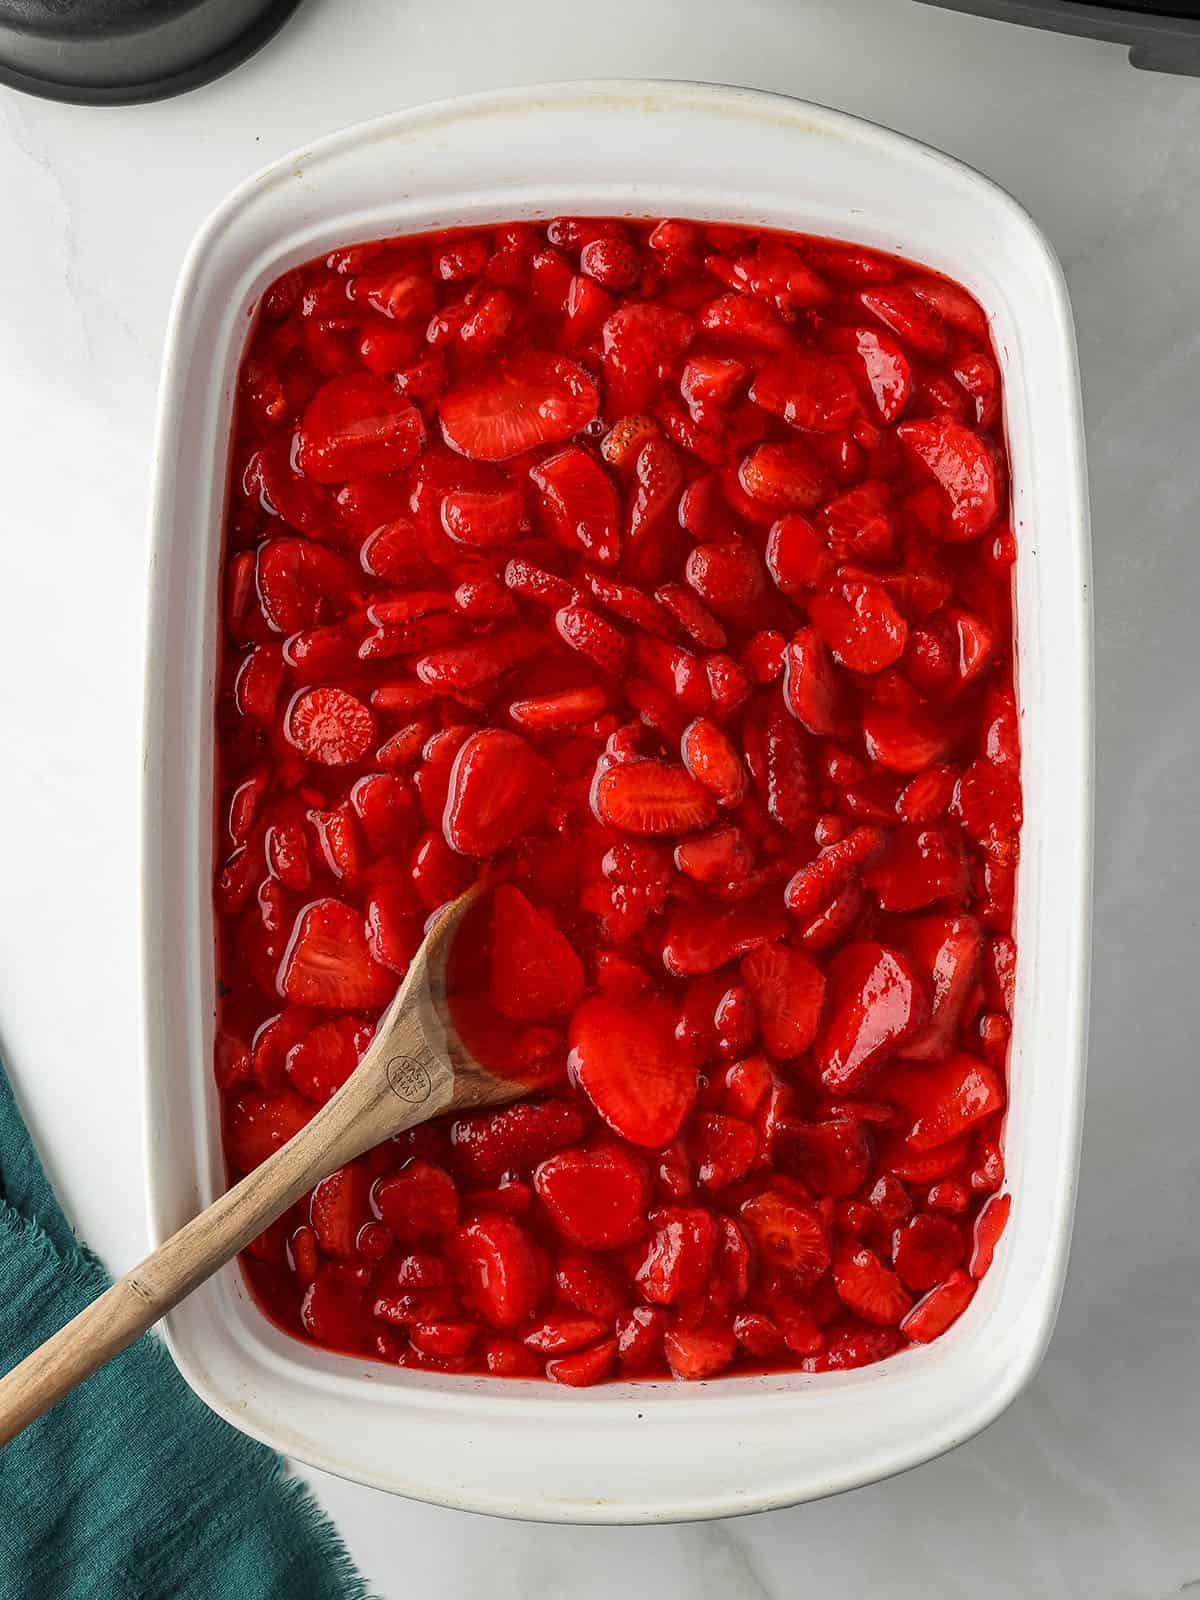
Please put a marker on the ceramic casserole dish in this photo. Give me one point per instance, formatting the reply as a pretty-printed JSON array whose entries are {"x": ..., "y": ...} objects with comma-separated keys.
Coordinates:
[{"x": 650, "y": 1451}]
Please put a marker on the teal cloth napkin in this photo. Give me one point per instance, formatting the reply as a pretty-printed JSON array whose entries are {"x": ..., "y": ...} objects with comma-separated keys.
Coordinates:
[{"x": 130, "y": 1488}]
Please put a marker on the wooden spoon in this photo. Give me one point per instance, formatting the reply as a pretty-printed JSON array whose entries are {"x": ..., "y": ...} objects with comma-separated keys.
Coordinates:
[{"x": 415, "y": 1068}]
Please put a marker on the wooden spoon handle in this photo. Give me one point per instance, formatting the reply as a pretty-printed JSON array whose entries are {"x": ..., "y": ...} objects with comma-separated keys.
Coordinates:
[{"x": 396, "y": 1086}]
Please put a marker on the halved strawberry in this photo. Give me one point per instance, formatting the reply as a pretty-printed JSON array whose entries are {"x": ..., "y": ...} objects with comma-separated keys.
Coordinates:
[
  {"x": 951, "y": 302},
  {"x": 559, "y": 1335},
  {"x": 496, "y": 1265},
  {"x": 579, "y": 503},
  {"x": 870, "y": 1289},
  {"x": 858, "y": 524},
  {"x": 701, "y": 1352},
  {"x": 628, "y": 1063},
  {"x": 807, "y": 389},
  {"x": 639, "y": 1336},
  {"x": 327, "y": 963},
  {"x": 790, "y": 789},
  {"x": 786, "y": 476},
  {"x": 941, "y": 1307},
  {"x": 810, "y": 685},
  {"x": 788, "y": 990},
  {"x": 946, "y": 1098},
  {"x": 530, "y": 399},
  {"x": 560, "y": 712},
  {"x": 256, "y": 1124},
  {"x": 788, "y": 1234},
  {"x": 875, "y": 1003},
  {"x": 298, "y": 582},
  {"x": 723, "y": 1148},
  {"x": 319, "y": 1063},
  {"x": 418, "y": 1202},
  {"x": 357, "y": 426},
  {"x": 858, "y": 621},
  {"x": 734, "y": 318},
  {"x": 728, "y": 576},
  {"x": 922, "y": 865},
  {"x": 329, "y": 726},
  {"x": 583, "y": 1367},
  {"x": 483, "y": 518},
  {"x": 911, "y": 319},
  {"x": 796, "y": 555},
  {"x": 487, "y": 1144},
  {"x": 718, "y": 857},
  {"x": 337, "y": 1209},
  {"x": 886, "y": 373},
  {"x": 708, "y": 381},
  {"x": 903, "y": 738},
  {"x": 949, "y": 950},
  {"x": 589, "y": 1286},
  {"x": 989, "y": 1225},
  {"x": 926, "y": 1250},
  {"x": 534, "y": 971},
  {"x": 643, "y": 345},
  {"x": 833, "y": 1158},
  {"x": 596, "y": 1198},
  {"x": 332, "y": 1311},
  {"x": 499, "y": 787},
  {"x": 593, "y": 636},
  {"x": 710, "y": 757},
  {"x": 651, "y": 797},
  {"x": 962, "y": 464},
  {"x": 702, "y": 939},
  {"x": 678, "y": 1257}
]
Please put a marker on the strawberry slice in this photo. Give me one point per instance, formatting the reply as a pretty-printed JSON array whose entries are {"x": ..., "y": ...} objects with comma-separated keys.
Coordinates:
[
  {"x": 710, "y": 757},
  {"x": 627, "y": 1061},
  {"x": 797, "y": 557},
  {"x": 678, "y": 1258},
  {"x": 337, "y": 1209},
  {"x": 327, "y": 962},
  {"x": 884, "y": 367},
  {"x": 989, "y": 1225},
  {"x": 639, "y": 1336},
  {"x": 926, "y": 1250},
  {"x": 329, "y": 726},
  {"x": 319, "y": 1063},
  {"x": 531, "y": 399},
  {"x": 788, "y": 990},
  {"x": 298, "y": 582},
  {"x": 870, "y": 1289},
  {"x": 912, "y": 319},
  {"x": 810, "y": 686},
  {"x": 418, "y": 1202},
  {"x": 701, "y": 940},
  {"x": 962, "y": 464},
  {"x": 495, "y": 1262},
  {"x": 483, "y": 519},
  {"x": 596, "y": 1198},
  {"x": 499, "y": 788},
  {"x": 945, "y": 1098},
  {"x": 858, "y": 524},
  {"x": 921, "y": 866},
  {"x": 558, "y": 1334},
  {"x": 642, "y": 345},
  {"x": 949, "y": 950},
  {"x": 695, "y": 1353},
  {"x": 357, "y": 427},
  {"x": 257, "y": 1124},
  {"x": 534, "y": 971},
  {"x": 903, "y": 738},
  {"x": 808, "y": 390},
  {"x": 584, "y": 1367},
  {"x": 558, "y": 713},
  {"x": 833, "y": 1158},
  {"x": 939, "y": 1309},
  {"x": 579, "y": 503},
  {"x": 723, "y": 1148},
  {"x": 651, "y": 797},
  {"x": 604, "y": 646},
  {"x": 952, "y": 303},
  {"x": 858, "y": 621},
  {"x": 719, "y": 857},
  {"x": 787, "y": 476},
  {"x": 487, "y": 1144},
  {"x": 875, "y": 1003},
  {"x": 788, "y": 1233}
]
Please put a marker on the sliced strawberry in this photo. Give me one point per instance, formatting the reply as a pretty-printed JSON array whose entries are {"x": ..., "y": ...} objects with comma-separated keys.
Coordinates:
[
  {"x": 708, "y": 381},
  {"x": 559, "y": 1335},
  {"x": 483, "y": 519},
  {"x": 298, "y": 582},
  {"x": 810, "y": 685},
  {"x": 952, "y": 303},
  {"x": 949, "y": 949},
  {"x": 696, "y": 1353},
  {"x": 789, "y": 781},
  {"x": 723, "y": 1148},
  {"x": 651, "y": 797},
  {"x": 589, "y": 1286},
  {"x": 596, "y": 1198},
  {"x": 939, "y": 1309},
  {"x": 418, "y": 1202},
  {"x": 487, "y": 1144},
  {"x": 758, "y": 1335},
  {"x": 257, "y": 1124},
  {"x": 332, "y": 1312},
  {"x": 788, "y": 990},
  {"x": 945, "y": 1098},
  {"x": 719, "y": 857},
  {"x": 922, "y": 865},
  {"x": 797, "y": 557},
  {"x": 584, "y": 1367},
  {"x": 833, "y": 1158},
  {"x": 499, "y": 787},
  {"x": 678, "y": 1257},
  {"x": 628, "y": 1063},
  {"x": 497, "y": 1269},
  {"x": 643, "y": 345},
  {"x": 702, "y": 940},
  {"x": 903, "y": 738},
  {"x": 912, "y": 320},
  {"x": 330, "y": 726},
  {"x": 989, "y": 1225},
  {"x": 357, "y": 427},
  {"x": 559, "y": 713},
  {"x": 530, "y": 399},
  {"x": 926, "y": 798},
  {"x": 926, "y": 1250},
  {"x": 808, "y": 390},
  {"x": 788, "y": 1234},
  {"x": 885, "y": 369},
  {"x": 962, "y": 464},
  {"x": 789, "y": 477},
  {"x": 875, "y": 1003},
  {"x": 579, "y": 503},
  {"x": 853, "y": 1347},
  {"x": 858, "y": 524},
  {"x": 319, "y": 1063},
  {"x": 639, "y": 1337},
  {"x": 584, "y": 630},
  {"x": 870, "y": 1289},
  {"x": 731, "y": 317},
  {"x": 988, "y": 800},
  {"x": 327, "y": 963},
  {"x": 337, "y": 1209},
  {"x": 506, "y": 1358},
  {"x": 860, "y": 624},
  {"x": 534, "y": 971},
  {"x": 713, "y": 761}
]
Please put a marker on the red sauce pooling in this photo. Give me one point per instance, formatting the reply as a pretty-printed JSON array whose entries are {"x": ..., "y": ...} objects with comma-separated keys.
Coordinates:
[{"x": 665, "y": 568}]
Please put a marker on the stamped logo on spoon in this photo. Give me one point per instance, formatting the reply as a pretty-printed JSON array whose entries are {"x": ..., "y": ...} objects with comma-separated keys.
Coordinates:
[{"x": 409, "y": 1076}]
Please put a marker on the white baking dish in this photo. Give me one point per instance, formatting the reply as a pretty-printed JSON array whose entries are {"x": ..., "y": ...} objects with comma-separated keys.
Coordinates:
[{"x": 653, "y": 1451}]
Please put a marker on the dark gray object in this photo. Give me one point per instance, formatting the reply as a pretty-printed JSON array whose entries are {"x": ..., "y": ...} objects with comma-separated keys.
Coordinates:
[{"x": 1161, "y": 37}]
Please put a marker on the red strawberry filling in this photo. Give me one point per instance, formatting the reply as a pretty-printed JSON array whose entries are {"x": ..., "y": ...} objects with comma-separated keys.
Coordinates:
[{"x": 662, "y": 571}]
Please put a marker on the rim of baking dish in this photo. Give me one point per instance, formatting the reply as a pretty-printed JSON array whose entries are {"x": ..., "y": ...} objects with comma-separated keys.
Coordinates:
[{"x": 419, "y": 1405}]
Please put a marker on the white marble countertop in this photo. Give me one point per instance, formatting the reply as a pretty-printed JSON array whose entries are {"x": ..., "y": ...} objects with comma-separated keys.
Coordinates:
[{"x": 1088, "y": 1485}]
